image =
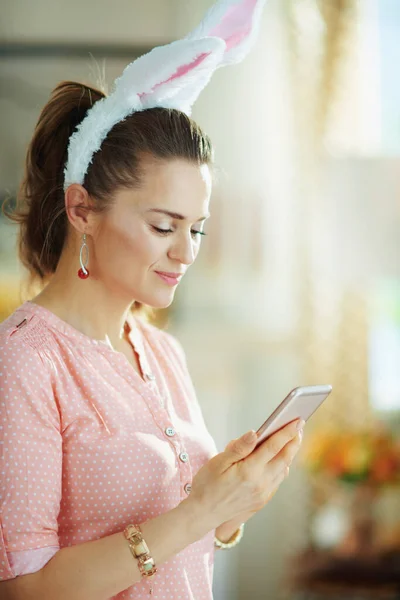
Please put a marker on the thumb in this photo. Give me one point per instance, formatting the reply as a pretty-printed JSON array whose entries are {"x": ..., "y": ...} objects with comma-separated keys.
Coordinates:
[{"x": 241, "y": 447}]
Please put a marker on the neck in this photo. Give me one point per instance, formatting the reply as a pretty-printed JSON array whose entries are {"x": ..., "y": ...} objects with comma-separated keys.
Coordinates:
[{"x": 87, "y": 305}]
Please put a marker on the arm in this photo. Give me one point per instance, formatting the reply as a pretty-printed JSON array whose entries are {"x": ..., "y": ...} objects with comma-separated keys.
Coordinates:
[
  {"x": 100, "y": 569},
  {"x": 97, "y": 569},
  {"x": 92, "y": 570}
]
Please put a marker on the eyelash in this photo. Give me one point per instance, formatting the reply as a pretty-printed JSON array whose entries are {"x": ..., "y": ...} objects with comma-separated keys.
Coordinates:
[{"x": 166, "y": 231}]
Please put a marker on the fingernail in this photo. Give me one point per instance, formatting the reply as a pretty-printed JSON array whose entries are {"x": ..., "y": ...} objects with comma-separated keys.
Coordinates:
[
  {"x": 300, "y": 424},
  {"x": 250, "y": 436}
]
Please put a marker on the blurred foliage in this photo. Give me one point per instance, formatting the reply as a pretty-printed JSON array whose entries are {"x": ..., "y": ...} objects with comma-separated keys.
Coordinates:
[{"x": 367, "y": 455}]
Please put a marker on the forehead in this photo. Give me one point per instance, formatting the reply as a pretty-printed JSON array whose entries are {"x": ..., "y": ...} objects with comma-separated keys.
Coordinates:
[{"x": 176, "y": 185}]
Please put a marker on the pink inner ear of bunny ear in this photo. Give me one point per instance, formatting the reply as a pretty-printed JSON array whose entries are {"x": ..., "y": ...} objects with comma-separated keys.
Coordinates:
[
  {"x": 236, "y": 24},
  {"x": 180, "y": 72}
]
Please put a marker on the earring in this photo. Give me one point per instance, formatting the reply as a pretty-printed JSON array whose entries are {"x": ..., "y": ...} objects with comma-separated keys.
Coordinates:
[{"x": 83, "y": 273}]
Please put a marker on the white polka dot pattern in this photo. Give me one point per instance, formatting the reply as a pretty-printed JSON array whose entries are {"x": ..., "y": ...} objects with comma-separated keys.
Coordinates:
[{"x": 88, "y": 445}]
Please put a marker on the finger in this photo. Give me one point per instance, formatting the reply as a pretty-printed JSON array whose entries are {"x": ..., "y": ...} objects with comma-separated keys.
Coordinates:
[
  {"x": 277, "y": 465},
  {"x": 238, "y": 449},
  {"x": 274, "y": 444},
  {"x": 278, "y": 481}
]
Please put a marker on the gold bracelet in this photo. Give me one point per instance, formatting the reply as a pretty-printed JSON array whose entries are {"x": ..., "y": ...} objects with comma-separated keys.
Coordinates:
[
  {"x": 140, "y": 551},
  {"x": 233, "y": 540}
]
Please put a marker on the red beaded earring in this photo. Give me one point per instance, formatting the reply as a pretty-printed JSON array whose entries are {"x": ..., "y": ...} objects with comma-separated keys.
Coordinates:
[{"x": 83, "y": 273}]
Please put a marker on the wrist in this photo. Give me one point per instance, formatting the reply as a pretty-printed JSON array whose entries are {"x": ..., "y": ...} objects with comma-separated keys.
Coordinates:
[{"x": 197, "y": 518}]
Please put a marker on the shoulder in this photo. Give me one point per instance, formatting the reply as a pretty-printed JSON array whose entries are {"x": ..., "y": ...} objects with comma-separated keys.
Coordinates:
[
  {"x": 27, "y": 370},
  {"x": 22, "y": 337}
]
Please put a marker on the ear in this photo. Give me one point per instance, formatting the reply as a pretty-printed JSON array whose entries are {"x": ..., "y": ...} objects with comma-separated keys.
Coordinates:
[
  {"x": 234, "y": 21},
  {"x": 171, "y": 76}
]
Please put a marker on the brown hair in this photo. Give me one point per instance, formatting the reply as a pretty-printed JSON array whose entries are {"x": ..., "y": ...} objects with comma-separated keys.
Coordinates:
[{"x": 40, "y": 209}]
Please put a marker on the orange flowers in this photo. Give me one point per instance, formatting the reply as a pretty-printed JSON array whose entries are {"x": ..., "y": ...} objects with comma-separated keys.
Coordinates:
[{"x": 353, "y": 456}]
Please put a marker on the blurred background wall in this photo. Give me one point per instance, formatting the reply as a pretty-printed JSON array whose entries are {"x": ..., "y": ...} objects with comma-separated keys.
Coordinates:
[{"x": 298, "y": 281}]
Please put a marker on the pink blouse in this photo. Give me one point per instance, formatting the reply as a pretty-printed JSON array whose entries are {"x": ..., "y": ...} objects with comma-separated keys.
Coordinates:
[{"x": 87, "y": 445}]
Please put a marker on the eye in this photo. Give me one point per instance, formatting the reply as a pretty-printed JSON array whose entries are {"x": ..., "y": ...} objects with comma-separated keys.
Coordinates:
[
  {"x": 194, "y": 232},
  {"x": 162, "y": 231},
  {"x": 167, "y": 231}
]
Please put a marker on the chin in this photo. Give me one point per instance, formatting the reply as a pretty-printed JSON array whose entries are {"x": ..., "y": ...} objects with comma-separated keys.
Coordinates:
[{"x": 157, "y": 301}]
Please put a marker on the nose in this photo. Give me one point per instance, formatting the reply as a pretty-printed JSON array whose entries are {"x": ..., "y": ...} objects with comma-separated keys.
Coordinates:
[{"x": 183, "y": 249}]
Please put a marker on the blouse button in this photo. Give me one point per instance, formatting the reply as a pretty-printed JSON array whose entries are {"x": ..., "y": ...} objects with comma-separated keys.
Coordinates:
[
  {"x": 188, "y": 488},
  {"x": 184, "y": 456},
  {"x": 170, "y": 431}
]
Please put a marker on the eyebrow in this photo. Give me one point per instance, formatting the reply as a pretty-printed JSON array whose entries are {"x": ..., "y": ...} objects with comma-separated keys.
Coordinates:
[{"x": 174, "y": 215}]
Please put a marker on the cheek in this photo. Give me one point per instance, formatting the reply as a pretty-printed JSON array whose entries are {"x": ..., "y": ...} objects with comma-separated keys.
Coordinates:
[{"x": 129, "y": 248}]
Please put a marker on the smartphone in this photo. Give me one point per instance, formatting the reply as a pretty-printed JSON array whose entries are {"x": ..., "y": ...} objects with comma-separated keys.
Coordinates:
[{"x": 300, "y": 403}]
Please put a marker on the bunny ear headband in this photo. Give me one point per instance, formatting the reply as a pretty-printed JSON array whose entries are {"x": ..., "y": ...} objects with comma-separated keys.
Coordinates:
[{"x": 170, "y": 76}]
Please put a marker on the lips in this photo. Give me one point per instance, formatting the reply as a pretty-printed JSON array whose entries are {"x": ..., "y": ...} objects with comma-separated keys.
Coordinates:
[
  {"x": 176, "y": 275},
  {"x": 170, "y": 278}
]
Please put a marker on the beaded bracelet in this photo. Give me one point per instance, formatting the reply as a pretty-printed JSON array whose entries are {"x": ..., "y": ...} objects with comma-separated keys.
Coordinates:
[{"x": 233, "y": 541}]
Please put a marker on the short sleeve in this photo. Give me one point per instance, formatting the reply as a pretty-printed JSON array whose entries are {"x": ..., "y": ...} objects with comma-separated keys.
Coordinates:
[{"x": 30, "y": 459}]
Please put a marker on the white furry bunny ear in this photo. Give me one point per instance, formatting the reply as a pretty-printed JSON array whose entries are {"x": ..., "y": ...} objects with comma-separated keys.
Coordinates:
[
  {"x": 227, "y": 32},
  {"x": 172, "y": 76},
  {"x": 234, "y": 21}
]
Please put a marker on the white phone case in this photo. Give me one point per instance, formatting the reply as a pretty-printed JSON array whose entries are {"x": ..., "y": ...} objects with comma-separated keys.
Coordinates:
[{"x": 300, "y": 403}]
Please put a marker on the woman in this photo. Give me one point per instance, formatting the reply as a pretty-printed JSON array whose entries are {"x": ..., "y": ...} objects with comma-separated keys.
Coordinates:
[{"x": 111, "y": 485}]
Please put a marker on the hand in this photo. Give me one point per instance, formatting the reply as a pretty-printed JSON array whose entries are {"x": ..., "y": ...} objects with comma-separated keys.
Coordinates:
[
  {"x": 228, "y": 528},
  {"x": 238, "y": 482}
]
